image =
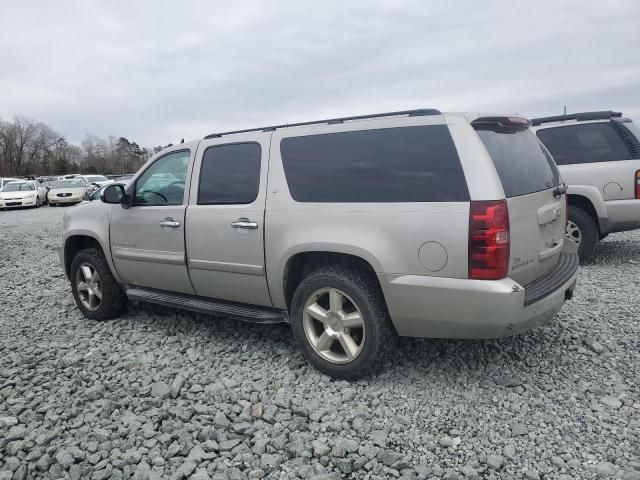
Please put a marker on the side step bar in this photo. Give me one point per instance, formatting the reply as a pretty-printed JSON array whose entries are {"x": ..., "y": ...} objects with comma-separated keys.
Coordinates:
[{"x": 250, "y": 313}]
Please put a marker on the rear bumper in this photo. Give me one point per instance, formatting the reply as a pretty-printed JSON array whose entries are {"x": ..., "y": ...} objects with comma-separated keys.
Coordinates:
[
  {"x": 422, "y": 306},
  {"x": 622, "y": 215}
]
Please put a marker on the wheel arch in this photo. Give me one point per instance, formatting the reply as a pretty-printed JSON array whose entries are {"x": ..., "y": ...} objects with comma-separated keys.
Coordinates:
[
  {"x": 76, "y": 243},
  {"x": 302, "y": 263},
  {"x": 585, "y": 204},
  {"x": 589, "y": 199}
]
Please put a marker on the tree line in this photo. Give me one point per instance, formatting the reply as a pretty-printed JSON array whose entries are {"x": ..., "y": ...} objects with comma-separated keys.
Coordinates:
[{"x": 29, "y": 147}]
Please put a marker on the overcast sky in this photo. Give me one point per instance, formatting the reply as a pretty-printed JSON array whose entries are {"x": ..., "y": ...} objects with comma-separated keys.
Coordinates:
[{"x": 157, "y": 71}]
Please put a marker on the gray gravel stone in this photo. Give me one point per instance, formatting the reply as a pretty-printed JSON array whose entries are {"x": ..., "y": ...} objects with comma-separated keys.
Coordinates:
[
  {"x": 606, "y": 469},
  {"x": 176, "y": 386},
  {"x": 65, "y": 459},
  {"x": 495, "y": 461},
  {"x": 160, "y": 390},
  {"x": 159, "y": 393},
  {"x": 611, "y": 402}
]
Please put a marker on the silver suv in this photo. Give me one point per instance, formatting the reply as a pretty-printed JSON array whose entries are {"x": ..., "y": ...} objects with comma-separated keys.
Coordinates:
[
  {"x": 598, "y": 154},
  {"x": 354, "y": 230}
]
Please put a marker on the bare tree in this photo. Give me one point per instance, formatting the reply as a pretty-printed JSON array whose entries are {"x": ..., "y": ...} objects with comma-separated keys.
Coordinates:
[{"x": 30, "y": 147}]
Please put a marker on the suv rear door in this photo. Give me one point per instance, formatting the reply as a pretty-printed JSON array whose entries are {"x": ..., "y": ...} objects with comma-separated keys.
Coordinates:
[
  {"x": 530, "y": 179},
  {"x": 225, "y": 219}
]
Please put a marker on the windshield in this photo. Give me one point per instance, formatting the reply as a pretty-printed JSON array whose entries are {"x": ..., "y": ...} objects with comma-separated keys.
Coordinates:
[
  {"x": 96, "y": 178},
  {"x": 68, "y": 184},
  {"x": 18, "y": 187}
]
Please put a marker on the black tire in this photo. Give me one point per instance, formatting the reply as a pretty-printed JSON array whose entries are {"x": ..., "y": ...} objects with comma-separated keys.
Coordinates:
[
  {"x": 380, "y": 338},
  {"x": 38, "y": 203},
  {"x": 589, "y": 232},
  {"x": 113, "y": 301}
]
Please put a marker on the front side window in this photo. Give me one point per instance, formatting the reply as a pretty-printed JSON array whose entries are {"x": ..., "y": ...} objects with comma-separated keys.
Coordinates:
[
  {"x": 230, "y": 174},
  {"x": 404, "y": 164},
  {"x": 164, "y": 181},
  {"x": 585, "y": 143}
]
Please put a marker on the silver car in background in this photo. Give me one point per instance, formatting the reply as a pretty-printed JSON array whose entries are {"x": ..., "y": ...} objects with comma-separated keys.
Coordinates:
[
  {"x": 67, "y": 192},
  {"x": 598, "y": 154},
  {"x": 354, "y": 230}
]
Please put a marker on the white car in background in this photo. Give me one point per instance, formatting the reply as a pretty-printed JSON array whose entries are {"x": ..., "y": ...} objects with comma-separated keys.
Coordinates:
[
  {"x": 22, "y": 193},
  {"x": 99, "y": 180},
  {"x": 65, "y": 192},
  {"x": 5, "y": 180}
]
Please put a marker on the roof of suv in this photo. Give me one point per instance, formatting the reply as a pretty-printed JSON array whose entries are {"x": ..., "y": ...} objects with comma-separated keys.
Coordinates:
[
  {"x": 580, "y": 117},
  {"x": 410, "y": 113}
]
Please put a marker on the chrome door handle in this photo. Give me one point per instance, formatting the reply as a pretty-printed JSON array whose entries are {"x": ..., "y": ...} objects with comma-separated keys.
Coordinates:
[
  {"x": 244, "y": 223},
  {"x": 169, "y": 222}
]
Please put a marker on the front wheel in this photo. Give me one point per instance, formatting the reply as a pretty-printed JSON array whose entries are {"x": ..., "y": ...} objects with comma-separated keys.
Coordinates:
[
  {"x": 96, "y": 292},
  {"x": 341, "y": 322},
  {"x": 582, "y": 229},
  {"x": 38, "y": 203}
]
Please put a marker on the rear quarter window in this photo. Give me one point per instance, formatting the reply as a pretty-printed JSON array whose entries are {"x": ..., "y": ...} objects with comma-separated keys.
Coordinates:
[
  {"x": 404, "y": 164},
  {"x": 585, "y": 143},
  {"x": 522, "y": 163}
]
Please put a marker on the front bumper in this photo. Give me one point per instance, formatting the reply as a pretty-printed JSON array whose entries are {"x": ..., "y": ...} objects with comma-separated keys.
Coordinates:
[
  {"x": 422, "y": 306},
  {"x": 18, "y": 203},
  {"x": 60, "y": 200}
]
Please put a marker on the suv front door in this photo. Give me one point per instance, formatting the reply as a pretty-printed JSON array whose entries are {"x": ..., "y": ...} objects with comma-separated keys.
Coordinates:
[
  {"x": 147, "y": 239},
  {"x": 225, "y": 219}
]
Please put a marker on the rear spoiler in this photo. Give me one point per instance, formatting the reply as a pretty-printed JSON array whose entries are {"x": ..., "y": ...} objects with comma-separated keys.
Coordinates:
[
  {"x": 601, "y": 115},
  {"x": 504, "y": 122}
]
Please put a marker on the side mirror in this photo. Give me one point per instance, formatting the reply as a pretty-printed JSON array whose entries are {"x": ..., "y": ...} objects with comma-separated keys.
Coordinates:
[{"x": 112, "y": 194}]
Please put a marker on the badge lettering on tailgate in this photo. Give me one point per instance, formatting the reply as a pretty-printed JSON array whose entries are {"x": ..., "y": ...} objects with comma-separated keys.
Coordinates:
[{"x": 518, "y": 263}]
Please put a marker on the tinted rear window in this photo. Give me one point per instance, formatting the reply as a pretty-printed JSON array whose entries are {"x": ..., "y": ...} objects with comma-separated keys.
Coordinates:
[
  {"x": 407, "y": 164},
  {"x": 522, "y": 163},
  {"x": 230, "y": 174},
  {"x": 585, "y": 143}
]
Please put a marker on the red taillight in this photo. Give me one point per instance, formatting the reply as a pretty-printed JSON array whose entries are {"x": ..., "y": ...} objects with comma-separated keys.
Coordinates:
[
  {"x": 637, "y": 184},
  {"x": 488, "y": 240}
]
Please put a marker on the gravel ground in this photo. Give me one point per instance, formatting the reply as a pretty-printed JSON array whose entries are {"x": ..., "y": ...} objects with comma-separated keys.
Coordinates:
[{"x": 165, "y": 394}]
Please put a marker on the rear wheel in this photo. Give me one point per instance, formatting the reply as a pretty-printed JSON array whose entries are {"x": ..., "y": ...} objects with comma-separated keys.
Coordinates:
[
  {"x": 582, "y": 229},
  {"x": 95, "y": 291},
  {"x": 341, "y": 322}
]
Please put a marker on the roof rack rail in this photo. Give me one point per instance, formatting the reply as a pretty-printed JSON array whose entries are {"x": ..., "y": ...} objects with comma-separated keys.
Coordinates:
[
  {"x": 601, "y": 115},
  {"x": 333, "y": 121}
]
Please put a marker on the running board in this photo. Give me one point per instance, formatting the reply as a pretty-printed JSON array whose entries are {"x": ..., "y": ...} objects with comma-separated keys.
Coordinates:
[{"x": 250, "y": 313}]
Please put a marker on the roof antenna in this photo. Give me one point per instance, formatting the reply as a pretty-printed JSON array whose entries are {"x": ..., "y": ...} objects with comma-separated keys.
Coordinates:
[
  {"x": 182, "y": 141},
  {"x": 565, "y": 110}
]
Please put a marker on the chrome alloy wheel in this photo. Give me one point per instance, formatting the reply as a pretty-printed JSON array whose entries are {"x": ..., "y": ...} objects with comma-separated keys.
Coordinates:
[
  {"x": 333, "y": 325},
  {"x": 89, "y": 286},
  {"x": 573, "y": 232}
]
